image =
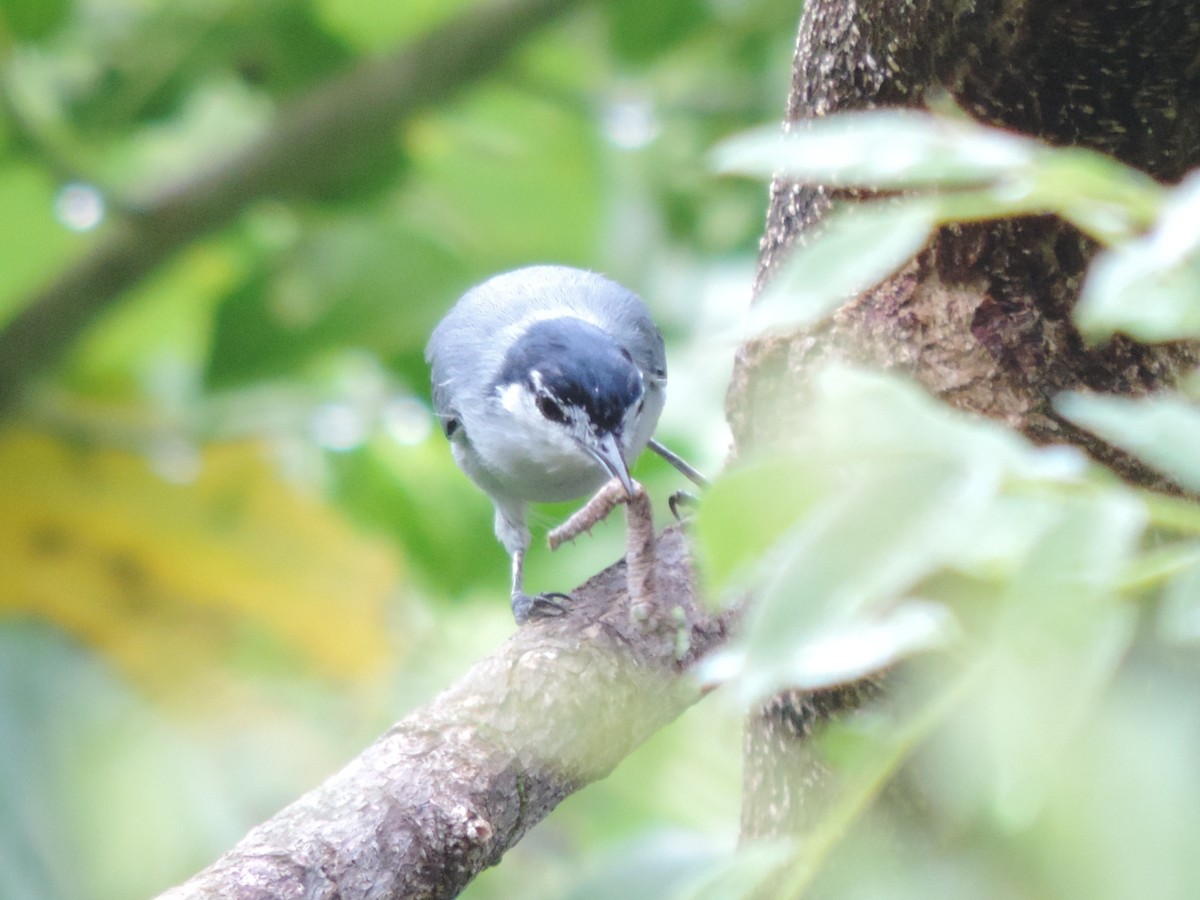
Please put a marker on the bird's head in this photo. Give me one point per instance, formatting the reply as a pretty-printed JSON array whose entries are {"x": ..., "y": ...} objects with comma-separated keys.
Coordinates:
[{"x": 570, "y": 379}]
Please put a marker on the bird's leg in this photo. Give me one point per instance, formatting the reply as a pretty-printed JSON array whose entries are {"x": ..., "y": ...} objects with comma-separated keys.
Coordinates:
[
  {"x": 526, "y": 607},
  {"x": 640, "y": 556},
  {"x": 680, "y": 464},
  {"x": 640, "y": 542},
  {"x": 591, "y": 514}
]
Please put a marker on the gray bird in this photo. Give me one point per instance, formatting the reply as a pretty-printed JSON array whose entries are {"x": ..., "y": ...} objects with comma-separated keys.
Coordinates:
[{"x": 548, "y": 381}]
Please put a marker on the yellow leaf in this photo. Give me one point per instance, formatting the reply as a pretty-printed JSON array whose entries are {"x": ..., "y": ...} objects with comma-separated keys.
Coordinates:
[{"x": 167, "y": 577}]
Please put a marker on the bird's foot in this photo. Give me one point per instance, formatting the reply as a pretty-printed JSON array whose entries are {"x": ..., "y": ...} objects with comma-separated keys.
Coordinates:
[
  {"x": 679, "y": 502},
  {"x": 540, "y": 606}
]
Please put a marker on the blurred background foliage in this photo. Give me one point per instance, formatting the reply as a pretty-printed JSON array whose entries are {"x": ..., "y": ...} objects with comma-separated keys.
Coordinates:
[{"x": 233, "y": 548}]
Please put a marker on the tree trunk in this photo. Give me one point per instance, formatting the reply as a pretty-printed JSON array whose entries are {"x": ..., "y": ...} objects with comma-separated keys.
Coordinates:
[{"x": 981, "y": 317}]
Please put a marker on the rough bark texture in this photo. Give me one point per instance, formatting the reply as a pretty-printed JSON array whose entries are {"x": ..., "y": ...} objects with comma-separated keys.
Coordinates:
[
  {"x": 981, "y": 317},
  {"x": 450, "y": 788}
]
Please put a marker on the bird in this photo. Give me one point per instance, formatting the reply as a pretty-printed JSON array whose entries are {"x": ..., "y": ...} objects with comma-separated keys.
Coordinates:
[{"x": 548, "y": 381}]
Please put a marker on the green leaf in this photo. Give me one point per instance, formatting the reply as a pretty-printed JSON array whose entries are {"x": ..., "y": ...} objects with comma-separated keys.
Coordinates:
[
  {"x": 642, "y": 31},
  {"x": 832, "y": 612},
  {"x": 1179, "y": 614},
  {"x": 888, "y": 487},
  {"x": 356, "y": 282},
  {"x": 395, "y": 489},
  {"x": 739, "y": 875},
  {"x": 1060, "y": 624},
  {"x": 508, "y": 177},
  {"x": 32, "y": 243},
  {"x": 977, "y": 172},
  {"x": 893, "y": 149},
  {"x": 160, "y": 61},
  {"x": 865, "y": 424},
  {"x": 1149, "y": 289},
  {"x": 380, "y": 26},
  {"x": 745, "y": 512},
  {"x": 1098, "y": 194},
  {"x": 1004, "y": 536},
  {"x": 873, "y": 417},
  {"x": 32, "y": 20},
  {"x": 855, "y": 249},
  {"x": 1158, "y": 565},
  {"x": 1162, "y": 430}
]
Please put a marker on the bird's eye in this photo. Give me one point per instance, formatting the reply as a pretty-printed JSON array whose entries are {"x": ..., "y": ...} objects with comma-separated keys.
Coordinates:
[{"x": 550, "y": 409}]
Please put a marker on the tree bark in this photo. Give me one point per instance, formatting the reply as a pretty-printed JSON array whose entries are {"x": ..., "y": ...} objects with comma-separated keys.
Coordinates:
[
  {"x": 456, "y": 783},
  {"x": 981, "y": 317}
]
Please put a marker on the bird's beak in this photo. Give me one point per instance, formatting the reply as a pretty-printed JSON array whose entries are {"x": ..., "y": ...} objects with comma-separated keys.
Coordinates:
[{"x": 607, "y": 451}]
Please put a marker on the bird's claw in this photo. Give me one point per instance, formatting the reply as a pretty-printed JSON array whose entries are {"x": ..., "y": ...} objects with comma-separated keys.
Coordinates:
[
  {"x": 540, "y": 606},
  {"x": 680, "y": 500}
]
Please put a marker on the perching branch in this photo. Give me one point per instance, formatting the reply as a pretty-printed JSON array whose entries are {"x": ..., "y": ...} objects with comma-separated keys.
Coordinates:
[
  {"x": 456, "y": 783},
  {"x": 639, "y": 543},
  {"x": 329, "y": 131}
]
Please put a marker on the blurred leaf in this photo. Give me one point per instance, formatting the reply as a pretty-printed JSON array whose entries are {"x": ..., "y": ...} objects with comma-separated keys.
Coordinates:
[
  {"x": 31, "y": 20},
  {"x": 847, "y": 565},
  {"x": 1060, "y": 623},
  {"x": 211, "y": 125},
  {"x": 1109, "y": 823},
  {"x": 652, "y": 866},
  {"x": 32, "y": 243},
  {"x": 882, "y": 419},
  {"x": 861, "y": 756},
  {"x": 278, "y": 45},
  {"x": 980, "y": 172},
  {"x": 1179, "y": 614},
  {"x": 1173, "y": 514},
  {"x": 149, "y": 69},
  {"x": 353, "y": 283},
  {"x": 642, "y": 31},
  {"x": 1101, "y": 196},
  {"x": 1159, "y": 565},
  {"x": 401, "y": 490},
  {"x": 893, "y": 149},
  {"x": 507, "y": 177},
  {"x": 736, "y": 876},
  {"x": 1005, "y": 535},
  {"x": 909, "y": 482},
  {"x": 886, "y": 487},
  {"x": 1163, "y": 430},
  {"x": 380, "y": 26},
  {"x": 1149, "y": 289},
  {"x": 162, "y": 576},
  {"x": 1119, "y": 819},
  {"x": 746, "y": 511},
  {"x": 153, "y": 344},
  {"x": 854, "y": 250},
  {"x": 93, "y": 779}
]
